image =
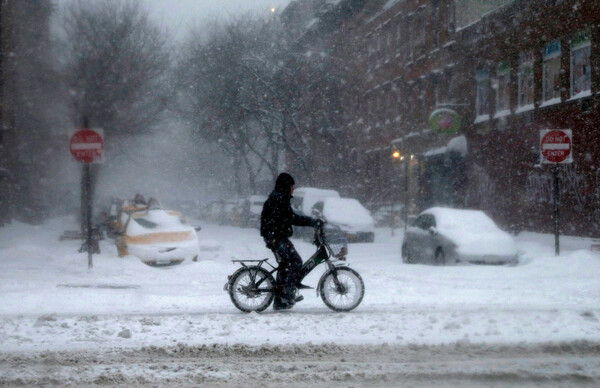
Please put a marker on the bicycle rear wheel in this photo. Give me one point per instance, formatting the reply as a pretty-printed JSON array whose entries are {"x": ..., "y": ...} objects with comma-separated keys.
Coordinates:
[
  {"x": 344, "y": 295},
  {"x": 251, "y": 289}
]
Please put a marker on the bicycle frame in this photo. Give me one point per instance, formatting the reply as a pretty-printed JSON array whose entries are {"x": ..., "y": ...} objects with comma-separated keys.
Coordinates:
[{"x": 322, "y": 254}]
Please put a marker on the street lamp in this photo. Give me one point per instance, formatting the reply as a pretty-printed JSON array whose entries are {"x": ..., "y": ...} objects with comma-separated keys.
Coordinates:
[{"x": 397, "y": 157}]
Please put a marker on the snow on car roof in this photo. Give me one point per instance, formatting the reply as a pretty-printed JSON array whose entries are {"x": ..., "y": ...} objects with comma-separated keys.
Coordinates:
[
  {"x": 306, "y": 191},
  {"x": 346, "y": 211},
  {"x": 262, "y": 198},
  {"x": 467, "y": 219}
]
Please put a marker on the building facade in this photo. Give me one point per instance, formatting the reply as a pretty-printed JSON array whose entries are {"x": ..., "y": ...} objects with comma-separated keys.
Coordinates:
[
  {"x": 26, "y": 108},
  {"x": 505, "y": 70}
]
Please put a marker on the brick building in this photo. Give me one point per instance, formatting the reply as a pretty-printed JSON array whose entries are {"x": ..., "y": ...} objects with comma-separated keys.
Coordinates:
[
  {"x": 508, "y": 68},
  {"x": 531, "y": 66},
  {"x": 26, "y": 109}
]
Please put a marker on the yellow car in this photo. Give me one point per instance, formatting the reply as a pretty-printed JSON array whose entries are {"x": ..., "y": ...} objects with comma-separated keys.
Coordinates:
[{"x": 158, "y": 237}]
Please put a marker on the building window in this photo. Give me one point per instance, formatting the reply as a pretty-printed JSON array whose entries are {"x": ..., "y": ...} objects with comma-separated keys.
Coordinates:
[
  {"x": 411, "y": 38},
  {"x": 419, "y": 34},
  {"x": 398, "y": 38},
  {"x": 551, "y": 76},
  {"x": 525, "y": 79},
  {"x": 581, "y": 79},
  {"x": 451, "y": 16},
  {"x": 435, "y": 34},
  {"x": 503, "y": 87},
  {"x": 481, "y": 103}
]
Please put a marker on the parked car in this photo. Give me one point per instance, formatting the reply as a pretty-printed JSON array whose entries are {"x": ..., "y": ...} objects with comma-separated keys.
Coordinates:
[
  {"x": 303, "y": 201},
  {"x": 349, "y": 215},
  {"x": 443, "y": 236},
  {"x": 159, "y": 237}
]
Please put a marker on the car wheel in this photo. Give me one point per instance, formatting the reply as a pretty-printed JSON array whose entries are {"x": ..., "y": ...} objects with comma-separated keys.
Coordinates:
[
  {"x": 406, "y": 256},
  {"x": 440, "y": 257}
]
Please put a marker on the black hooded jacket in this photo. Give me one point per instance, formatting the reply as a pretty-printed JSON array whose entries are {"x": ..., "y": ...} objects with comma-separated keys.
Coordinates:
[{"x": 277, "y": 216}]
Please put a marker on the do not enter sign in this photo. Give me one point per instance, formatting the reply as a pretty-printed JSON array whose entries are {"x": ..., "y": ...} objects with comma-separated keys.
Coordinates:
[
  {"x": 87, "y": 145},
  {"x": 556, "y": 146}
]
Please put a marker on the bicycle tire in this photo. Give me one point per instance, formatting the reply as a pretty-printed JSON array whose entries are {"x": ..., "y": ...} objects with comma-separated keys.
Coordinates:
[
  {"x": 347, "y": 300},
  {"x": 248, "y": 300}
]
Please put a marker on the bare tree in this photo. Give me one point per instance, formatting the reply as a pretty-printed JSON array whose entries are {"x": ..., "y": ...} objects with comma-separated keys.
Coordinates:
[
  {"x": 118, "y": 63},
  {"x": 227, "y": 92},
  {"x": 117, "y": 69}
]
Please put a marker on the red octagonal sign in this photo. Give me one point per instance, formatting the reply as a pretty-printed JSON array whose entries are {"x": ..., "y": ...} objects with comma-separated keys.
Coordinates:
[
  {"x": 86, "y": 145},
  {"x": 556, "y": 146}
]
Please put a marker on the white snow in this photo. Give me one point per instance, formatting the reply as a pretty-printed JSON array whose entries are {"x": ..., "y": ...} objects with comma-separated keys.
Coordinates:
[
  {"x": 552, "y": 101},
  {"x": 525, "y": 108},
  {"x": 582, "y": 94},
  {"x": 458, "y": 144},
  {"x": 348, "y": 212},
  {"x": 482, "y": 118},
  {"x": 49, "y": 300},
  {"x": 306, "y": 197},
  {"x": 502, "y": 113}
]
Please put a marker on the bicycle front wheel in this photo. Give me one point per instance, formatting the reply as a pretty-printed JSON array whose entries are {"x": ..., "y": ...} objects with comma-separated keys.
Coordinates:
[
  {"x": 251, "y": 289},
  {"x": 344, "y": 294}
]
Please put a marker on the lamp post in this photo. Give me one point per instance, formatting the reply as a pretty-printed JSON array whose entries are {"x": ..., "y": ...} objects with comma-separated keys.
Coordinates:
[{"x": 397, "y": 157}]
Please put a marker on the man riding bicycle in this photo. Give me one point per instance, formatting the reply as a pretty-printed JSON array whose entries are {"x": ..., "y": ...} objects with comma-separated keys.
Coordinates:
[{"x": 276, "y": 222}]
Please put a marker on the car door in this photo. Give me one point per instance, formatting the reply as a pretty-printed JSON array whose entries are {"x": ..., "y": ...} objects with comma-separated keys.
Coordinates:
[
  {"x": 417, "y": 238},
  {"x": 430, "y": 239}
]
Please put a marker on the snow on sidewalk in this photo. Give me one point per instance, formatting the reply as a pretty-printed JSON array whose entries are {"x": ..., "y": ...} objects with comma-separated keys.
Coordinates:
[{"x": 49, "y": 300}]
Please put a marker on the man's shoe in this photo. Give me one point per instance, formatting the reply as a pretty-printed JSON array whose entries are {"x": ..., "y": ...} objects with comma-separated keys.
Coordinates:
[
  {"x": 282, "y": 306},
  {"x": 299, "y": 298},
  {"x": 303, "y": 286}
]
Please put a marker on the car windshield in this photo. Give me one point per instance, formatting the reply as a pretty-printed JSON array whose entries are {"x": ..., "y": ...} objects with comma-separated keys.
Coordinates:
[{"x": 145, "y": 223}]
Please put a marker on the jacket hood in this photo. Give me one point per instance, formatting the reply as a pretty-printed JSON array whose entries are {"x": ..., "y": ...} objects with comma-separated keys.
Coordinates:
[{"x": 284, "y": 183}]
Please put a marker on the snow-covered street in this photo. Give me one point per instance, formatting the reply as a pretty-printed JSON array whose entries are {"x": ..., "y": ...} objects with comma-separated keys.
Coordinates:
[{"x": 50, "y": 303}]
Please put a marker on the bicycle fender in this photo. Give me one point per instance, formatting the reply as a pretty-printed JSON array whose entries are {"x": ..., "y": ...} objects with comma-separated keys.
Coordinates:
[
  {"x": 325, "y": 274},
  {"x": 228, "y": 283}
]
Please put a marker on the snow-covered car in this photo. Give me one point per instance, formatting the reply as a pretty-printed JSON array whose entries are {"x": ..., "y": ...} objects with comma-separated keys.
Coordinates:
[
  {"x": 160, "y": 238},
  {"x": 303, "y": 201},
  {"x": 443, "y": 236},
  {"x": 349, "y": 215}
]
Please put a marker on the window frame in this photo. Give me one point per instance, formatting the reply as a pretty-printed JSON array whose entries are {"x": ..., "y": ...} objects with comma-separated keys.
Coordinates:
[
  {"x": 574, "y": 47},
  {"x": 547, "y": 59},
  {"x": 503, "y": 70},
  {"x": 479, "y": 79},
  {"x": 526, "y": 61}
]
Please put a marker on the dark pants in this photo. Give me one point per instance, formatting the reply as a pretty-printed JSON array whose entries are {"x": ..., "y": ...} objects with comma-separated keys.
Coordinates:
[{"x": 290, "y": 265}]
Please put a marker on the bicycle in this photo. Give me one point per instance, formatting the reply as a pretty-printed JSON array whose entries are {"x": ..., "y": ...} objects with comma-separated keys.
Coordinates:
[{"x": 251, "y": 287}]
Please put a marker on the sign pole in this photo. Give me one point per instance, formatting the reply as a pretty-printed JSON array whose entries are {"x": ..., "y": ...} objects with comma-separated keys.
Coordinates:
[
  {"x": 88, "y": 211},
  {"x": 87, "y": 205},
  {"x": 556, "y": 210},
  {"x": 556, "y": 148},
  {"x": 86, "y": 146}
]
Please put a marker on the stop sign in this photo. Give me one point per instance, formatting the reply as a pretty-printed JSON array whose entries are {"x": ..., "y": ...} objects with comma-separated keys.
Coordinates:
[
  {"x": 87, "y": 145},
  {"x": 556, "y": 146}
]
